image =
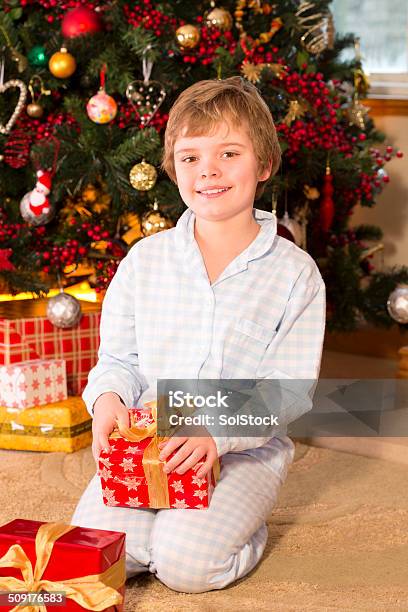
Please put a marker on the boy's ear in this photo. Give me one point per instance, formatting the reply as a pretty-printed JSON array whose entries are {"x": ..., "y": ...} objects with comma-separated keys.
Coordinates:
[{"x": 267, "y": 172}]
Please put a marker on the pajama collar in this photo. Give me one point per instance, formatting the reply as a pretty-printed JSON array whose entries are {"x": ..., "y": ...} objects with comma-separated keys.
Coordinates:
[{"x": 185, "y": 240}]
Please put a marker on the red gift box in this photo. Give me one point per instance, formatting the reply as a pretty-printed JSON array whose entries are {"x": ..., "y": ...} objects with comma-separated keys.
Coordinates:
[
  {"x": 12, "y": 347},
  {"x": 26, "y": 333},
  {"x": 78, "y": 553},
  {"x": 125, "y": 483}
]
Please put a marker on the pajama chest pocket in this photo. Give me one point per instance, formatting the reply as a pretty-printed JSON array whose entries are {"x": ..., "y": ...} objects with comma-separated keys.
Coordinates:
[{"x": 245, "y": 345}]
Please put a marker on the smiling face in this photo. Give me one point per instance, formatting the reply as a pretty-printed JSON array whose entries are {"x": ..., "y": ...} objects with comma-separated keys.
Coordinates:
[{"x": 217, "y": 174}]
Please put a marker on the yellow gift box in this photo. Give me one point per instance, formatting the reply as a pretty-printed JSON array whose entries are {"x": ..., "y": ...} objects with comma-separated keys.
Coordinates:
[{"x": 64, "y": 426}]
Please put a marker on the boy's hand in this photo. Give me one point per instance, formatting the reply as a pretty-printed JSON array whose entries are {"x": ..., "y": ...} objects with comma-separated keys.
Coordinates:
[
  {"x": 107, "y": 409},
  {"x": 191, "y": 451}
]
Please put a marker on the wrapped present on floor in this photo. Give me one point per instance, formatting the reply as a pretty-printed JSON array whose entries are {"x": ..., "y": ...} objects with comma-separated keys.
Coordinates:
[
  {"x": 53, "y": 560},
  {"x": 12, "y": 347},
  {"x": 64, "y": 426},
  {"x": 33, "y": 383},
  {"x": 26, "y": 333},
  {"x": 132, "y": 474}
]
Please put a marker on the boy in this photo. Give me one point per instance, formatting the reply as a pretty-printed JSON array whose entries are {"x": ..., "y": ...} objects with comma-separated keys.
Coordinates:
[{"x": 220, "y": 296}]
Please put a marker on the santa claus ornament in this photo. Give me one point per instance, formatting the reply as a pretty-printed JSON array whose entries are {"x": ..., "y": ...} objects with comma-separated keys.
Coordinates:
[{"x": 35, "y": 207}]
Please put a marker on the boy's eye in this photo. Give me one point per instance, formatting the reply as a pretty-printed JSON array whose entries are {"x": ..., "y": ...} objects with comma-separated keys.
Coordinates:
[{"x": 192, "y": 157}]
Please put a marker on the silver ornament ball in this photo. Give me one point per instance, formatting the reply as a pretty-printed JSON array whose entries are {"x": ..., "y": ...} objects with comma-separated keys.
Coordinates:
[
  {"x": 64, "y": 310},
  {"x": 293, "y": 226},
  {"x": 397, "y": 304}
]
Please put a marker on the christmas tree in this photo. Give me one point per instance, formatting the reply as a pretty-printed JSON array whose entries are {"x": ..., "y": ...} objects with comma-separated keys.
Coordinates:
[{"x": 85, "y": 94}]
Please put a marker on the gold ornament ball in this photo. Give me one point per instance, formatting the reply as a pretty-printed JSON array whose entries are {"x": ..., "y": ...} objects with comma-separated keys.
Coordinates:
[
  {"x": 187, "y": 36},
  {"x": 89, "y": 194},
  {"x": 311, "y": 193},
  {"x": 35, "y": 110},
  {"x": 154, "y": 222},
  {"x": 219, "y": 18},
  {"x": 143, "y": 176},
  {"x": 62, "y": 64}
]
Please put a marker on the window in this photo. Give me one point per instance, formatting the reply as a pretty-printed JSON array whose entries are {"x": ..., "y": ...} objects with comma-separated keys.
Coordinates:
[{"x": 383, "y": 31}]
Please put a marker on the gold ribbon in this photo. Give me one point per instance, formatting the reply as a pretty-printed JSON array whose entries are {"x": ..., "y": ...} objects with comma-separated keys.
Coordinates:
[
  {"x": 157, "y": 481},
  {"x": 94, "y": 592}
]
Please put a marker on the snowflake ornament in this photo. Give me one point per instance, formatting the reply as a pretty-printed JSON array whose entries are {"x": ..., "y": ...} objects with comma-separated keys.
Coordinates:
[
  {"x": 198, "y": 481},
  {"x": 105, "y": 474},
  {"x": 109, "y": 495},
  {"x": 180, "y": 503},
  {"x": 128, "y": 465},
  {"x": 134, "y": 502},
  {"x": 105, "y": 461},
  {"x": 132, "y": 450},
  {"x": 177, "y": 486},
  {"x": 200, "y": 493}
]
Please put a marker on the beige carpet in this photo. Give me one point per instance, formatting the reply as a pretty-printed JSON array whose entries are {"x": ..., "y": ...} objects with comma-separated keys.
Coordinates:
[{"x": 338, "y": 537}]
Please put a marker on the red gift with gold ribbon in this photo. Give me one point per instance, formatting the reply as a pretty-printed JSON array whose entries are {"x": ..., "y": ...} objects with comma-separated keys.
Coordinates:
[
  {"x": 87, "y": 565},
  {"x": 132, "y": 474}
]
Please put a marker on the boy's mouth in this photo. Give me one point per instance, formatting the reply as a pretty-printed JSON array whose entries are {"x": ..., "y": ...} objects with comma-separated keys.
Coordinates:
[{"x": 213, "y": 192}]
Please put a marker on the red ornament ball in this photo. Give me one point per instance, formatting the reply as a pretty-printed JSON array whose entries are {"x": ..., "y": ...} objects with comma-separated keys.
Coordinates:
[{"x": 79, "y": 21}]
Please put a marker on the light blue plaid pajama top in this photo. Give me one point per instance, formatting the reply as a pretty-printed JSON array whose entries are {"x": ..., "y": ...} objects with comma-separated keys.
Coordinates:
[{"x": 262, "y": 318}]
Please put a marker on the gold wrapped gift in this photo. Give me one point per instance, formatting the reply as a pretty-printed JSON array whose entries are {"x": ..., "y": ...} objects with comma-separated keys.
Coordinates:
[{"x": 64, "y": 426}]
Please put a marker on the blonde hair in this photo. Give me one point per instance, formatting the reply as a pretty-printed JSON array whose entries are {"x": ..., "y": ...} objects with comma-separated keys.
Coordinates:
[{"x": 202, "y": 106}]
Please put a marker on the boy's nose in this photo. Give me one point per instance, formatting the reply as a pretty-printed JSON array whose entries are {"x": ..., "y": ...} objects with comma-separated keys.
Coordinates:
[{"x": 209, "y": 172}]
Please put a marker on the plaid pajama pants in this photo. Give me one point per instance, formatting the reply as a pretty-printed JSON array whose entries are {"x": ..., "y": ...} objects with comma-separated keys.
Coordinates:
[{"x": 194, "y": 551}]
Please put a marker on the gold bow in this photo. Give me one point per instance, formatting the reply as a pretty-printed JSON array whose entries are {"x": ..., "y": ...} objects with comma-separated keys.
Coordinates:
[
  {"x": 94, "y": 592},
  {"x": 157, "y": 482}
]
